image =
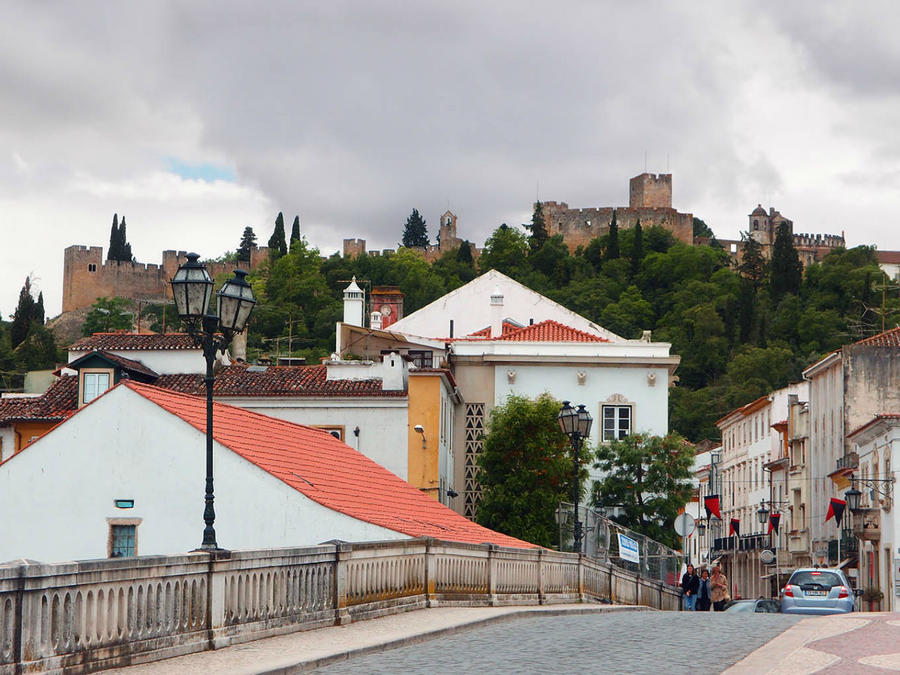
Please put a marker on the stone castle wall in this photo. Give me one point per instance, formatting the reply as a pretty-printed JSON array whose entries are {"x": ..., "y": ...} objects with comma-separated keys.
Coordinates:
[
  {"x": 579, "y": 226},
  {"x": 87, "y": 276},
  {"x": 650, "y": 190}
]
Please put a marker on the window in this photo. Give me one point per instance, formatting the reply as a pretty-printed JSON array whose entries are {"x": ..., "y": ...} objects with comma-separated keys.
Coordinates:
[
  {"x": 422, "y": 359},
  {"x": 336, "y": 431},
  {"x": 122, "y": 542},
  {"x": 92, "y": 385},
  {"x": 616, "y": 422},
  {"x": 92, "y": 267}
]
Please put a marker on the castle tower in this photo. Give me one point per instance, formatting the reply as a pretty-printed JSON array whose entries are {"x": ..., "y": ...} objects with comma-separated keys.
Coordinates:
[
  {"x": 354, "y": 304},
  {"x": 447, "y": 238},
  {"x": 758, "y": 226},
  {"x": 649, "y": 190}
]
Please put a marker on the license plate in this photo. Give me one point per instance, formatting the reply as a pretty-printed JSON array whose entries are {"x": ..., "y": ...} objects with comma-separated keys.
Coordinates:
[{"x": 816, "y": 593}]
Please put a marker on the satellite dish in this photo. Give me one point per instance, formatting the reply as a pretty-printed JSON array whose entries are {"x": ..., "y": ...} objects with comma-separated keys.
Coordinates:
[{"x": 767, "y": 557}]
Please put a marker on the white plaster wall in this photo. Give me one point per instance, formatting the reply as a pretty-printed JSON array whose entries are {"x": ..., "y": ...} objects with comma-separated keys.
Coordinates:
[
  {"x": 163, "y": 362},
  {"x": 383, "y": 423},
  {"x": 650, "y": 404},
  {"x": 470, "y": 309},
  {"x": 59, "y": 492},
  {"x": 7, "y": 443}
]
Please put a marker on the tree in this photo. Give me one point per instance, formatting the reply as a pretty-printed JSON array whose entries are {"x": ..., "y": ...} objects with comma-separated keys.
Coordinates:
[
  {"x": 248, "y": 241},
  {"x": 649, "y": 479},
  {"x": 115, "y": 246},
  {"x": 701, "y": 229},
  {"x": 464, "y": 254},
  {"x": 526, "y": 470},
  {"x": 24, "y": 316},
  {"x": 786, "y": 270},
  {"x": 415, "y": 234},
  {"x": 537, "y": 228},
  {"x": 108, "y": 314},
  {"x": 295, "y": 230},
  {"x": 277, "y": 244},
  {"x": 38, "y": 315},
  {"x": 637, "y": 248},
  {"x": 505, "y": 250},
  {"x": 752, "y": 265},
  {"x": 123, "y": 241},
  {"x": 612, "y": 242}
]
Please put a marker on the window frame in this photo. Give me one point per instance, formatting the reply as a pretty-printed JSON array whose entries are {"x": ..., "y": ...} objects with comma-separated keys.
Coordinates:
[
  {"x": 82, "y": 377},
  {"x": 330, "y": 428},
  {"x": 617, "y": 406},
  {"x": 112, "y": 523}
]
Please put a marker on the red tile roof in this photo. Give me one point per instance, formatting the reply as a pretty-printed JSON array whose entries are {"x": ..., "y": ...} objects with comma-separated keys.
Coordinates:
[
  {"x": 239, "y": 379},
  {"x": 888, "y": 257},
  {"x": 133, "y": 341},
  {"x": 54, "y": 405},
  {"x": 326, "y": 470},
  {"x": 551, "y": 331},
  {"x": 889, "y": 338},
  {"x": 545, "y": 331},
  {"x": 121, "y": 361},
  {"x": 890, "y": 417}
]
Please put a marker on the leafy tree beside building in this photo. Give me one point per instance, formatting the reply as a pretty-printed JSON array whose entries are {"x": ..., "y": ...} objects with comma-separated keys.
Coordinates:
[
  {"x": 277, "y": 243},
  {"x": 248, "y": 241},
  {"x": 538, "y": 228},
  {"x": 786, "y": 270}
]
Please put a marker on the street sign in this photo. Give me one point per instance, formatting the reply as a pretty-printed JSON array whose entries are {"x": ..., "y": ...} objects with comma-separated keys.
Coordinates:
[
  {"x": 629, "y": 549},
  {"x": 684, "y": 524}
]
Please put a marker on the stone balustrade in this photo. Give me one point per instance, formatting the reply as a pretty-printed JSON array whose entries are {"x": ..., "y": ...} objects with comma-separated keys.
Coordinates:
[{"x": 85, "y": 616}]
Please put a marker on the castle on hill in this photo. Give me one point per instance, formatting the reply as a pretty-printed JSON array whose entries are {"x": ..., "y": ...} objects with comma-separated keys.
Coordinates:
[
  {"x": 87, "y": 276},
  {"x": 447, "y": 241}
]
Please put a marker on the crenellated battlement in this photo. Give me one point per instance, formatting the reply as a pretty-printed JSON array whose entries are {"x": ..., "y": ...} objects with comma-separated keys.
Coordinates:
[{"x": 87, "y": 276}]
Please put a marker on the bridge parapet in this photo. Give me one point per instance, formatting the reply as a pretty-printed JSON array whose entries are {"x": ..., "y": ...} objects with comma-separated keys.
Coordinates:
[{"x": 86, "y": 616}]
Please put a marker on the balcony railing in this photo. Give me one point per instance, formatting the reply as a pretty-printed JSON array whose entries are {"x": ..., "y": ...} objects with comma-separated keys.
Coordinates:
[
  {"x": 752, "y": 542},
  {"x": 848, "y": 461}
]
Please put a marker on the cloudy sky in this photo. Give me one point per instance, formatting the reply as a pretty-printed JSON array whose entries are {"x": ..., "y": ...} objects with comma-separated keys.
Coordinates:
[{"x": 195, "y": 119}]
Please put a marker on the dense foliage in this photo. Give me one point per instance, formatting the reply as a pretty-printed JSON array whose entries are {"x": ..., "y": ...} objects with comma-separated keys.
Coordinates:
[
  {"x": 25, "y": 343},
  {"x": 119, "y": 248},
  {"x": 415, "y": 233},
  {"x": 648, "y": 479},
  {"x": 526, "y": 470},
  {"x": 738, "y": 335}
]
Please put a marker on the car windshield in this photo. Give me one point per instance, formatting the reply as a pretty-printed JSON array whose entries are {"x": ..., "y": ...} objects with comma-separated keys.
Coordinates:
[{"x": 819, "y": 579}]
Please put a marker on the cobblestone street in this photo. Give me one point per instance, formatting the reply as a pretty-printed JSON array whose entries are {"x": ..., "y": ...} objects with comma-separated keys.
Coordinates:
[{"x": 632, "y": 642}]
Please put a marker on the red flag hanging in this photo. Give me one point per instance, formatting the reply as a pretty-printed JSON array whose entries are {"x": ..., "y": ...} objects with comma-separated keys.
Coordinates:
[
  {"x": 711, "y": 503},
  {"x": 734, "y": 527},
  {"x": 836, "y": 510},
  {"x": 774, "y": 521}
]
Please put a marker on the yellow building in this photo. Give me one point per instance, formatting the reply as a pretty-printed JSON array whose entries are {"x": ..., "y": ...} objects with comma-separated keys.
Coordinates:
[{"x": 433, "y": 397}]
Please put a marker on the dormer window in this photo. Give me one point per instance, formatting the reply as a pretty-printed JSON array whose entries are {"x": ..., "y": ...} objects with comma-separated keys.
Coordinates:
[{"x": 93, "y": 384}]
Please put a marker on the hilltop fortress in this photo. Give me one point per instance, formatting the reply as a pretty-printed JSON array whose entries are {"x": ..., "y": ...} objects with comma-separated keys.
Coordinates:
[{"x": 87, "y": 276}]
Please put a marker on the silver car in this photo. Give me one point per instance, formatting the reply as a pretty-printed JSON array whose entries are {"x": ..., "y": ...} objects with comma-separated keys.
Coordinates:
[{"x": 817, "y": 591}]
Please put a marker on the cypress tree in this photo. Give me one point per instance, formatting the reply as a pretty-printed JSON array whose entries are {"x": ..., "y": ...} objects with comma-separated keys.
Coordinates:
[
  {"x": 295, "y": 230},
  {"x": 637, "y": 248},
  {"x": 277, "y": 243},
  {"x": 125, "y": 252},
  {"x": 415, "y": 234},
  {"x": 248, "y": 241},
  {"x": 786, "y": 269},
  {"x": 612, "y": 242},
  {"x": 752, "y": 266},
  {"x": 114, "y": 246},
  {"x": 464, "y": 254},
  {"x": 23, "y": 317},
  {"x": 38, "y": 315},
  {"x": 538, "y": 228}
]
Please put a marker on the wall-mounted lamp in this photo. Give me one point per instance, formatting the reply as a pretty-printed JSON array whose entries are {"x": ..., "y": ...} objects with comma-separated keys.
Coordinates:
[
  {"x": 356, "y": 432},
  {"x": 419, "y": 429}
]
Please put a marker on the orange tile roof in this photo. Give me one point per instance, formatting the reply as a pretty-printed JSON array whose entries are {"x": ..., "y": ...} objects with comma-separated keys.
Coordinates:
[
  {"x": 891, "y": 417},
  {"x": 889, "y": 338},
  {"x": 545, "y": 331},
  {"x": 888, "y": 257},
  {"x": 134, "y": 341},
  {"x": 326, "y": 470}
]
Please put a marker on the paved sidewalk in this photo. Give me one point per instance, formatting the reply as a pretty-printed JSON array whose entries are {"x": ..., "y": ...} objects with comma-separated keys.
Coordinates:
[
  {"x": 849, "y": 644},
  {"x": 304, "y": 651}
]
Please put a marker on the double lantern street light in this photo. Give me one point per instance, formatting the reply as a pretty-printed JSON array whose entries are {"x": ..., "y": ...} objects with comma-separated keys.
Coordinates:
[
  {"x": 576, "y": 424},
  {"x": 192, "y": 288}
]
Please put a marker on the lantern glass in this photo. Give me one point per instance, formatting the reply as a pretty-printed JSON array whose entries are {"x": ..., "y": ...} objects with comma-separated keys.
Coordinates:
[
  {"x": 192, "y": 288},
  {"x": 852, "y": 496},
  {"x": 584, "y": 422},
  {"x": 236, "y": 301},
  {"x": 701, "y": 526},
  {"x": 568, "y": 419},
  {"x": 762, "y": 514}
]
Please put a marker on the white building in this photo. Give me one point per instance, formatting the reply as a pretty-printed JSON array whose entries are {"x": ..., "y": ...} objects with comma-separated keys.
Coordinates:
[{"x": 125, "y": 475}]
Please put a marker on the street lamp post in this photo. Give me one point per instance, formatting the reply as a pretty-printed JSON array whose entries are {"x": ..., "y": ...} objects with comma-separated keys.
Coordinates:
[
  {"x": 192, "y": 288},
  {"x": 576, "y": 424}
]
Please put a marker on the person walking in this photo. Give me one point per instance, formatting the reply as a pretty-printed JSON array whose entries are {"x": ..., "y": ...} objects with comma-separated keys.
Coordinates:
[
  {"x": 690, "y": 583},
  {"x": 718, "y": 589},
  {"x": 703, "y": 592}
]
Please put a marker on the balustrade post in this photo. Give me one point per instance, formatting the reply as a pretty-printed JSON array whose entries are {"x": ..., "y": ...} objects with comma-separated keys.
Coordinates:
[
  {"x": 540, "y": 564},
  {"x": 430, "y": 574},
  {"x": 341, "y": 584},
  {"x": 581, "y": 596},
  {"x": 493, "y": 570},
  {"x": 215, "y": 598}
]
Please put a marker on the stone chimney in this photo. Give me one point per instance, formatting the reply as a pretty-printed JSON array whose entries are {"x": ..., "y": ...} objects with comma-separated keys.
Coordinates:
[
  {"x": 496, "y": 313},
  {"x": 354, "y": 304},
  {"x": 239, "y": 346},
  {"x": 375, "y": 321}
]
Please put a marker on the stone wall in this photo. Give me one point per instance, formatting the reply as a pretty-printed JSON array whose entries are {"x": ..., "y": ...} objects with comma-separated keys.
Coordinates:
[
  {"x": 87, "y": 276},
  {"x": 579, "y": 226},
  {"x": 86, "y": 616},
  {"x": 650, "y": 190}
]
